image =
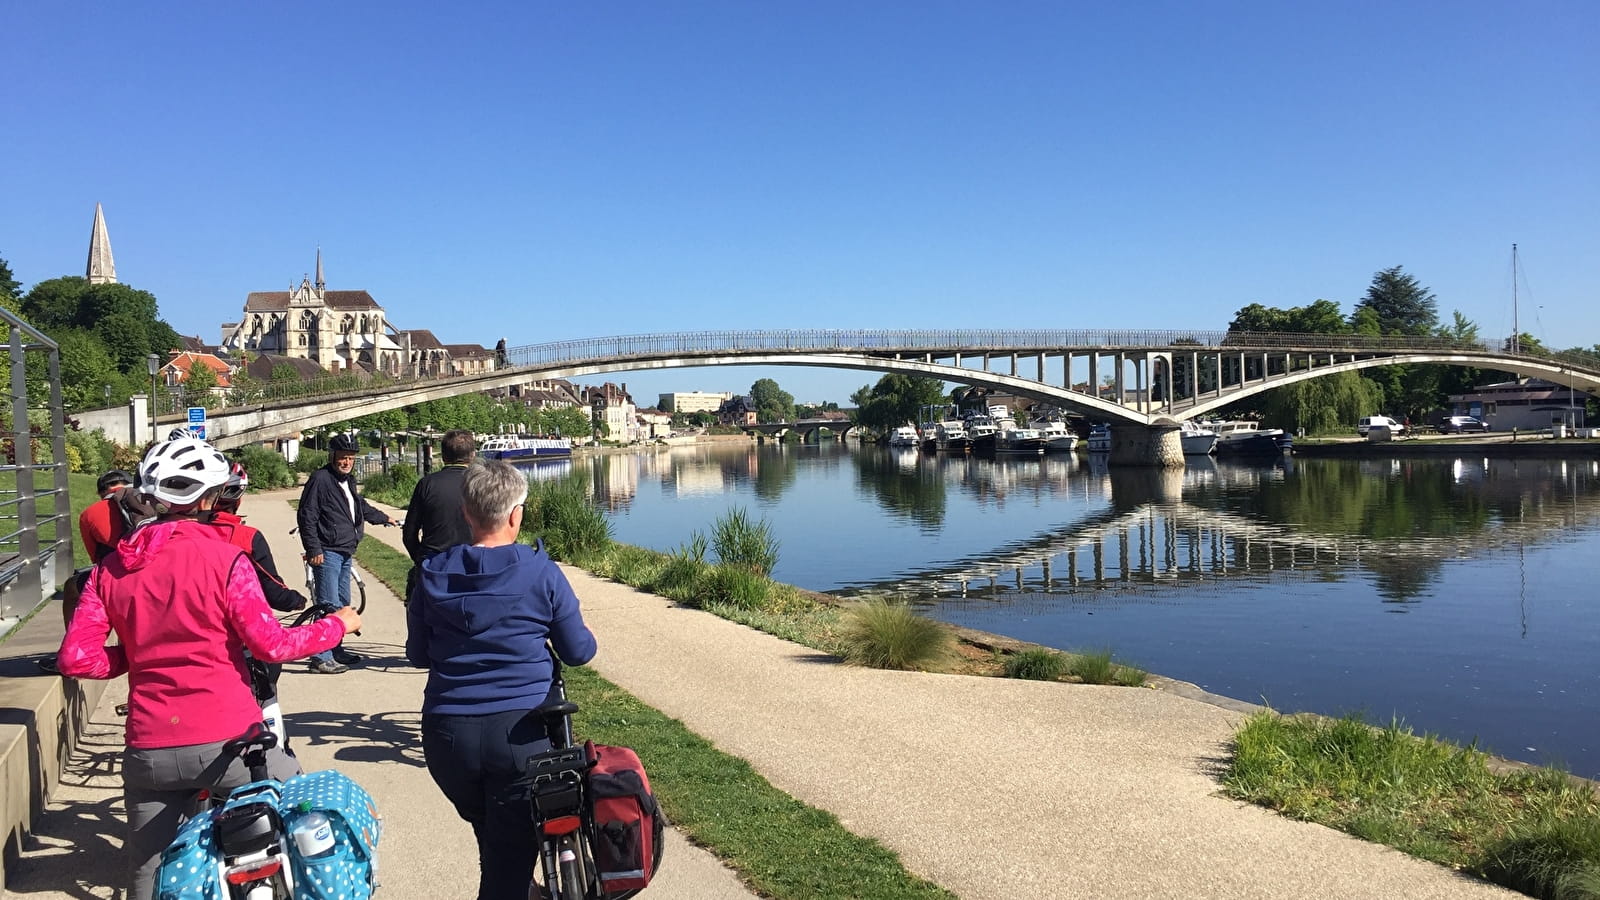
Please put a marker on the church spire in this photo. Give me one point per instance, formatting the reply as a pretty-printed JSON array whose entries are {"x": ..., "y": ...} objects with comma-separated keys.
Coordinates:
[
  {"x": 320, "y": 284},
  {"x": 101, "y": 269}
]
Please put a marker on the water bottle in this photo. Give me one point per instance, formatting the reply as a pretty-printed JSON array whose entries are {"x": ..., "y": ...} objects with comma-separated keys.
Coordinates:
[{"x": 313, "y": 836}]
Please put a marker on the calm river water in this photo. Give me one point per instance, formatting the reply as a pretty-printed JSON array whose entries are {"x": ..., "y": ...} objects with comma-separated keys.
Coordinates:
[{"x": 1458, "y": 595}]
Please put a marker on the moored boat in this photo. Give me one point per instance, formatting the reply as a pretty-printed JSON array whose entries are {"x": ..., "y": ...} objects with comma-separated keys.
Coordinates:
[
  {"x": 904, "y": 436},
  {"x": 511, "y": 447},
  {"x": 1058, "y": 438},
  {"x": 1099, "y": 438},
  {"x": 1197, "y": 439},
  {"x": 1246, "y": 438},
  {"x": 951, "y": 436}
]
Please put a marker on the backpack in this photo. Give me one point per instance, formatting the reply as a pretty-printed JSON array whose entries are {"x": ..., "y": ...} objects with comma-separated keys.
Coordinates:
[{"x": 626, "y": 822}]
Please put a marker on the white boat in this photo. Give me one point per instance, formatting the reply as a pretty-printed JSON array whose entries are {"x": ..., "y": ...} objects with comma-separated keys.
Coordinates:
[
  {"x": 1058, "y": 438},
  {"x": 1018, "y": 441},
  {"x": 983, "y": 435},
  {"x": 1247, "y": 438},
  {"x": 951, "y": 436},
  {"x": 513, "y": 447},
  {"x": 1100, "y": 438},
  {"x": 904, "y": 436},
  {"x": 1197, "y": 439}
]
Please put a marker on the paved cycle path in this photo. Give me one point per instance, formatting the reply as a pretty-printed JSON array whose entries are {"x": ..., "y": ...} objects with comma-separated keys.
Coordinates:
[{"x": 990, "y": 787}]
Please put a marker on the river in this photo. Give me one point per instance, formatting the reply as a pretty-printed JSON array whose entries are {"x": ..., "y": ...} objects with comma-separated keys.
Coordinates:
[{"x": 1457, "y": 595}]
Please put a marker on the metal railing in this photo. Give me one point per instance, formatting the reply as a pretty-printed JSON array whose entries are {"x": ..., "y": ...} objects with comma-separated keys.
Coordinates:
[
  {"x": 33, "y": 544},
  {"x": 936, "y": 342}
]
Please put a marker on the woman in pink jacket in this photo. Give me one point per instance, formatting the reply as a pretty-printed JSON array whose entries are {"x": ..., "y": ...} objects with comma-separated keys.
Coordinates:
[{"x": 185, "y": 606}]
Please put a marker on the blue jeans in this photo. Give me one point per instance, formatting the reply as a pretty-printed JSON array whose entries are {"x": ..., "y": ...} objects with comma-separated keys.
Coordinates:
[
  {"x": 476, "y": 761},
  {"x": 333, "y": 586}
]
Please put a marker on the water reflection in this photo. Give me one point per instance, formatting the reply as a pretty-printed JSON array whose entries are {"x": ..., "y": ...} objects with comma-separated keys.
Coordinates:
[{"x": 1449, "y": 592}]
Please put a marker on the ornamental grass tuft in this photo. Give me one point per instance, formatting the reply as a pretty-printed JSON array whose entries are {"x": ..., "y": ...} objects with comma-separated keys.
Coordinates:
[
  {"x": 887, "y": 635},
  {"x": 1036, "y": 664},
  {"x": 1099, "y": 667}
]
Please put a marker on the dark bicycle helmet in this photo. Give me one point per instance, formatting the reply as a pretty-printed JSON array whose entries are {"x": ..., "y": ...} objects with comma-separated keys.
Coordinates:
[
  {"x": 341, "y": 443},
  {"x": 112, "y": 479}
]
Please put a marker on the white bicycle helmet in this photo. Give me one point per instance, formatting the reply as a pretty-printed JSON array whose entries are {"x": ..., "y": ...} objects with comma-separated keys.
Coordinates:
[{"x": 176, "y": 474}]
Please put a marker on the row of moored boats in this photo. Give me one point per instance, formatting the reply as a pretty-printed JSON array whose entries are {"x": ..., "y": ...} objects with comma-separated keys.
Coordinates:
[{"x": 996, "y": 432}]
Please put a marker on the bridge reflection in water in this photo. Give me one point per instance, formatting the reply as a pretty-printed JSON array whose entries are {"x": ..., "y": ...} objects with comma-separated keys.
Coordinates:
[{"x": 1164, "y": 529}]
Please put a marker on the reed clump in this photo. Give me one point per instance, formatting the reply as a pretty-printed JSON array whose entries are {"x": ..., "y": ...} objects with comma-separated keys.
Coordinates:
[
  {"x": 741, "y": 541},
  {"x": 1036, "y": 664},
  {"x": 1100, "y": 667}
]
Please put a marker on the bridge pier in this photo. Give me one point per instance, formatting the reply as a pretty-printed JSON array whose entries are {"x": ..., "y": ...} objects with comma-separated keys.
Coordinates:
[{"x": 1154, "y": 446}]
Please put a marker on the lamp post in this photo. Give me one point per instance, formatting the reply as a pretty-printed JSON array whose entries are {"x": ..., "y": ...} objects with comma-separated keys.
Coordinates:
[{"x": 153, "y": 363}]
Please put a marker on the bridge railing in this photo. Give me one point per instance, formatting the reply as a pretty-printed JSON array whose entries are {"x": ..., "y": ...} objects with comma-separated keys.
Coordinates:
[{"x": 907, "y": 341}]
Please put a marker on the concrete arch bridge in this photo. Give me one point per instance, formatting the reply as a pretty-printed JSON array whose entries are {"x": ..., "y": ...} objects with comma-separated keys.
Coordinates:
[{"x": 1143, "y": 382}]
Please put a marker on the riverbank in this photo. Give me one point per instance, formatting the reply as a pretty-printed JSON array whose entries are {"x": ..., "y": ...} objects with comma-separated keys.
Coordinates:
[{"x": 1491, "y": 445}]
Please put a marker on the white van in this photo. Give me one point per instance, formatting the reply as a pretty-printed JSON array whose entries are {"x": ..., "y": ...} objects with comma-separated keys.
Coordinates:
[{"x": 1380, "y": 421}]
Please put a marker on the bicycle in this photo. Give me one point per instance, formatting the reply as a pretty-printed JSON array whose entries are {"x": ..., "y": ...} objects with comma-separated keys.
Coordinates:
[
  {"x": 246, "y": 825},
  {"x": 556, "y": 788},
  {"x": 318, "y": 609}
]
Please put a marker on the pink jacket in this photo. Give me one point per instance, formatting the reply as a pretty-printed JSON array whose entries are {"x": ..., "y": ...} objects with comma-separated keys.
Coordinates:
[{"x": 185, "y": 604}]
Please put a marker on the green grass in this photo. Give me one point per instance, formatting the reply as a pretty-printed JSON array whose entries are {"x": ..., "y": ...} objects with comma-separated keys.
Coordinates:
[
  {"x": 739, "y": 541},
  {"x": 1099, "y": 667},
  {"x": 1534, "y": 830},
  {"x": 1036, "y": 664},
  {"x": 780, "y": 846},
  {"x": 887, "y": 635}
]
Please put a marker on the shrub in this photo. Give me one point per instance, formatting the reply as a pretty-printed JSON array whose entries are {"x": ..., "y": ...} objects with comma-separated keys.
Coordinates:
[
  {"x": 562, "y": 514},
  {"x": 738, "y": 541},
  {"x": 891, "y": 636},
  {"x": 266, "y": 468},
  {"x": 310, "y": 460},
  {"x": 1036, "y": 664},
  {"x": 91, "y": 452},
  {"x": 1554, "y": 857}
]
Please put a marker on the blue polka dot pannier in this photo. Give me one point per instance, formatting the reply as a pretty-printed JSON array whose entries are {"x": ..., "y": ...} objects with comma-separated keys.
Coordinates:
[{"x": 256, "y": 821}]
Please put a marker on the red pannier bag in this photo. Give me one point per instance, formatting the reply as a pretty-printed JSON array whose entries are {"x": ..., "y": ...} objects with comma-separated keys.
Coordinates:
[{"x": 626, "y": 837}]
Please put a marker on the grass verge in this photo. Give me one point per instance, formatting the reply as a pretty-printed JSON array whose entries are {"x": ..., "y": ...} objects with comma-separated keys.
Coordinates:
[
  {"x": 778, "y": 845},
  {"x": 1534, "y": 830}
]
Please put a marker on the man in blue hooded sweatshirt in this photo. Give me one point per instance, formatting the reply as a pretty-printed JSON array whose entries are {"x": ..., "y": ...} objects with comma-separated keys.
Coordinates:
[{"x": 479, "y": 623}]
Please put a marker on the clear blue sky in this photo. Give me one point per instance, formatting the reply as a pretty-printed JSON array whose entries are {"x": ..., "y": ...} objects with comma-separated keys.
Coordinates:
[{"x": 540, "y": 171}]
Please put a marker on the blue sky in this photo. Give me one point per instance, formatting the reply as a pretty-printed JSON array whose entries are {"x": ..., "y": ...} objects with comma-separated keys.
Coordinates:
[{"x": 545, "y": 171}]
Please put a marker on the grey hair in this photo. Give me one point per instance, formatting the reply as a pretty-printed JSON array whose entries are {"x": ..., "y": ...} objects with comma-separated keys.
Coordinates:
[{"x": 491, "y": 489}]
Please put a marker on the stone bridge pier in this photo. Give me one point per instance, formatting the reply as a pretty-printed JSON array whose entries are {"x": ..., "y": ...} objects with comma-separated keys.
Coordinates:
[{"x": 1157, "y": 446}]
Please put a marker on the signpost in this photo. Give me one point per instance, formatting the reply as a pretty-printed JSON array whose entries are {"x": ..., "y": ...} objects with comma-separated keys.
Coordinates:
[{"x": 197, "y": 422}]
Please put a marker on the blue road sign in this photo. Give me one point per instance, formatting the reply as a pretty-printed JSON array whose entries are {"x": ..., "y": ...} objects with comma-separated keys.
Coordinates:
[
  {"x": 197, "y": 415},
  {"x": 198, "y": 431}
]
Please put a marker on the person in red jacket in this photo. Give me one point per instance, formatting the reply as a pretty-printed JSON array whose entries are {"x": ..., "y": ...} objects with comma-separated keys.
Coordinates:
[{"x": 184, "y": 606}]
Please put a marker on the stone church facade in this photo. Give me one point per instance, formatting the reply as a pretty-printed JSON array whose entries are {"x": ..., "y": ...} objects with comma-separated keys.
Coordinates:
[{"x": 340, "y": 331}]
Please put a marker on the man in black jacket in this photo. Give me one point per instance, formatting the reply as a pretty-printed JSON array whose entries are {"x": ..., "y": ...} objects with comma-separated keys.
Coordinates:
[
  {"x": 434, "y": 521},
  {"x": 330, "y": 516}
]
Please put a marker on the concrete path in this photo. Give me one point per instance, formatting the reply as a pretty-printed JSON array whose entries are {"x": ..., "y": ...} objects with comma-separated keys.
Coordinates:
[{"x": 990, "y": 787}]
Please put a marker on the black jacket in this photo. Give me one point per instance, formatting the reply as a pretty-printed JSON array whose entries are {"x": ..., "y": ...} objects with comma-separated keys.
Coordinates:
[
  {"x": 434, "y": 520},
  {"x": 324, "y": 515}
]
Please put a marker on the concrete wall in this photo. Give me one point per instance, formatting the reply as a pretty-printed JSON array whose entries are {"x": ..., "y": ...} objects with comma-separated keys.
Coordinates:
[
  {"x": 124, "y": 424},
  {"x": 41, "y": 718}
]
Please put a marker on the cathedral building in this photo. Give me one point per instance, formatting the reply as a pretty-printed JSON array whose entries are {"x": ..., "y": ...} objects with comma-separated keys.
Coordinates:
[{"x": 340, "y": 331}]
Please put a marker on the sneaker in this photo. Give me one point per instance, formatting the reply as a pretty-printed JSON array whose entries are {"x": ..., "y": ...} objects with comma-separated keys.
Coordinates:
[
  {"x": 345, "y": 656},
  {"x": 328, "y": 667}
]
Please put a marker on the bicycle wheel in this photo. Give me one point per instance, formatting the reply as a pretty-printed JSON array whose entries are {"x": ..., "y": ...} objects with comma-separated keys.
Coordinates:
[
  {"x": 359, "y": 599},
  {"x": 313, "y": 612}
]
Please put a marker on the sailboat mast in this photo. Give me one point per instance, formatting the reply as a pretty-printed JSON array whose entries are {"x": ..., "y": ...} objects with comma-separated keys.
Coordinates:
[{"x": 1516, "y": 330}]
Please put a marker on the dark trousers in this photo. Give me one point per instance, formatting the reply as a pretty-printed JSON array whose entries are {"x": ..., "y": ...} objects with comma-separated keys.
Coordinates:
[{"x": 474, "y": 760}]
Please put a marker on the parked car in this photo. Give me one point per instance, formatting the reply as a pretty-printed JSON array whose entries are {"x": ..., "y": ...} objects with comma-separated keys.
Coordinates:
[
  {"x": 1462, "y": 425},
  {"x": 1367, "y": 422}
]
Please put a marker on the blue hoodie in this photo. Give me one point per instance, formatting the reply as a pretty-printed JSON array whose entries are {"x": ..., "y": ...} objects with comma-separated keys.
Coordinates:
[{"x": 479, "y": 621}]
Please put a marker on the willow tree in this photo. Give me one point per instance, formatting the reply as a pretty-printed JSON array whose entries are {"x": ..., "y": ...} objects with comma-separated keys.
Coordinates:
[{"x": 1324, "y": 405}]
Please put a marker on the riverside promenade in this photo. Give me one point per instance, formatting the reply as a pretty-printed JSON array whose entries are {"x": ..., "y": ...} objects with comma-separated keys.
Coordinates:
[{"x": 990, "y": 787}]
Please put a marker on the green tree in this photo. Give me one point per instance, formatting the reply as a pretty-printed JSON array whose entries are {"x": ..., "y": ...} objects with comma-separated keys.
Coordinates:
[
  {"x": 198, "y": 386},
  {"x": 897, "y": 399},
  {"x": 10, "y": 288},
  {"x": 773, "y": 404},
  {"x": 1401, "y": 303},
  {"x": 86, "y": 368}
]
